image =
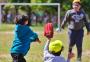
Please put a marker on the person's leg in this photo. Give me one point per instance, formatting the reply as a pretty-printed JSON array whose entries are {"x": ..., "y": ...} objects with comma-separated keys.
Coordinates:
[
  {"x": 72, "y": 37},
  {"x": 79, "y": 42},
  {"x": 21, "y": 58},
  {"x": 72, "y": 42},
  {"x": 18, "y": 57}
]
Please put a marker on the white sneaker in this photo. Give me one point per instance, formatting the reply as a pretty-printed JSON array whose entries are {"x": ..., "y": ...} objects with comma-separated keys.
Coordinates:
[{"x": 78, "y": 60}]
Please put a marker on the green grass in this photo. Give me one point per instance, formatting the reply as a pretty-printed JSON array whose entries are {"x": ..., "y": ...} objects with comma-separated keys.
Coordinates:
[
  {"x": 36, "y": 51},
  {"x": 6, "y": 27},
  {"x": 10, "y": 27}
]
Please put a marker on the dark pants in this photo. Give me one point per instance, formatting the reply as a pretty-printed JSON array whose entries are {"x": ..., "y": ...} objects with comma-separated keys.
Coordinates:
[
  {"x": 18, "y": 57},
  {"x": 76, "y": 38}
]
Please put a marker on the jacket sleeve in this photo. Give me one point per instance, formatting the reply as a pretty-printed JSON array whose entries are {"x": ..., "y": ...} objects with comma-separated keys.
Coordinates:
[
  {"x": 87, "y": 24},
  {"x": 32, "y": 35},
  {"x": 46, "y": 46},
  {"x": 66, "y": 18},
  {"x": 68, "y": 60},
  {"x": 46, "y": 51}
]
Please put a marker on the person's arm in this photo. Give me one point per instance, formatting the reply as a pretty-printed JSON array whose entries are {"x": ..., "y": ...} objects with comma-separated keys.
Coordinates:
[
  {"x": 87, "y": 24},
  {"x": 46, "y": 45},
  {"x": 66, "y": 19},
  {"x": 33, "y": 36}
]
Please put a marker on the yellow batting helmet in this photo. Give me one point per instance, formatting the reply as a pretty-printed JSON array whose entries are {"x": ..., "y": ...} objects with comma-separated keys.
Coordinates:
[{"x": 55, "y": 46}]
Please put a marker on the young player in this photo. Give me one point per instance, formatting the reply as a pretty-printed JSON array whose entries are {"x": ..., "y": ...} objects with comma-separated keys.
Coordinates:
[
  {"x": 23, "y": 37},
  {"x": 52, "y": 50}
]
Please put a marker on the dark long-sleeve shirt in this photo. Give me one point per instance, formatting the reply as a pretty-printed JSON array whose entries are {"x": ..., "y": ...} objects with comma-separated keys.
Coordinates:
[{"x": 75, "y": 20}]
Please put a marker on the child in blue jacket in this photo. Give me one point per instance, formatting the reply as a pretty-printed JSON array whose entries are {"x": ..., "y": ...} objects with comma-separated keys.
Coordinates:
[{"x": 23, "y": 37}]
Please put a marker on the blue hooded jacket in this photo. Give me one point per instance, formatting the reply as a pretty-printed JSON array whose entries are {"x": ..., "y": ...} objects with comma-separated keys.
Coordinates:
[{"x": 22, "y": 40}]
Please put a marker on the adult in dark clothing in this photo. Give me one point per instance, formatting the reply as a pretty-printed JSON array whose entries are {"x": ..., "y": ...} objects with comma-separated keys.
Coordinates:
[{"x": 76, "y": 20}]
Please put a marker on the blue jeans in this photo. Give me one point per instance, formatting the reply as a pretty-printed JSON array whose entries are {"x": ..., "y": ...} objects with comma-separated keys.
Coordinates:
[{"x": 76, "y": 38}]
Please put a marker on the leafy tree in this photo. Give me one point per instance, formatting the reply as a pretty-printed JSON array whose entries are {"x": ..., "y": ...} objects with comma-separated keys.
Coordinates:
[
  {"x": 65, "y": 4},
  {"x": 19, "y": 1}
]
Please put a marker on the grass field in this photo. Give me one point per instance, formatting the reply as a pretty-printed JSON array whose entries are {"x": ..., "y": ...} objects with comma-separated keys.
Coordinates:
[{"x": 36, "y": 51}]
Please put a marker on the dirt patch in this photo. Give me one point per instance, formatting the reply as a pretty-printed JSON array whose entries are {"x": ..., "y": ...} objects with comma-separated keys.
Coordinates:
[
  {"x": 86, "y": 53},
  {"x": 5, "y": 56}
]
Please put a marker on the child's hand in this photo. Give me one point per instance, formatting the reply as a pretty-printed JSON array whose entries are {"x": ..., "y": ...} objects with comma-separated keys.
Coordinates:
[
  {"x": 88, "y": 33},
  {"x": 38, "y": 40},
  {"x": 48, "y": 38},
  {"x": 70, "y": 55}
]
